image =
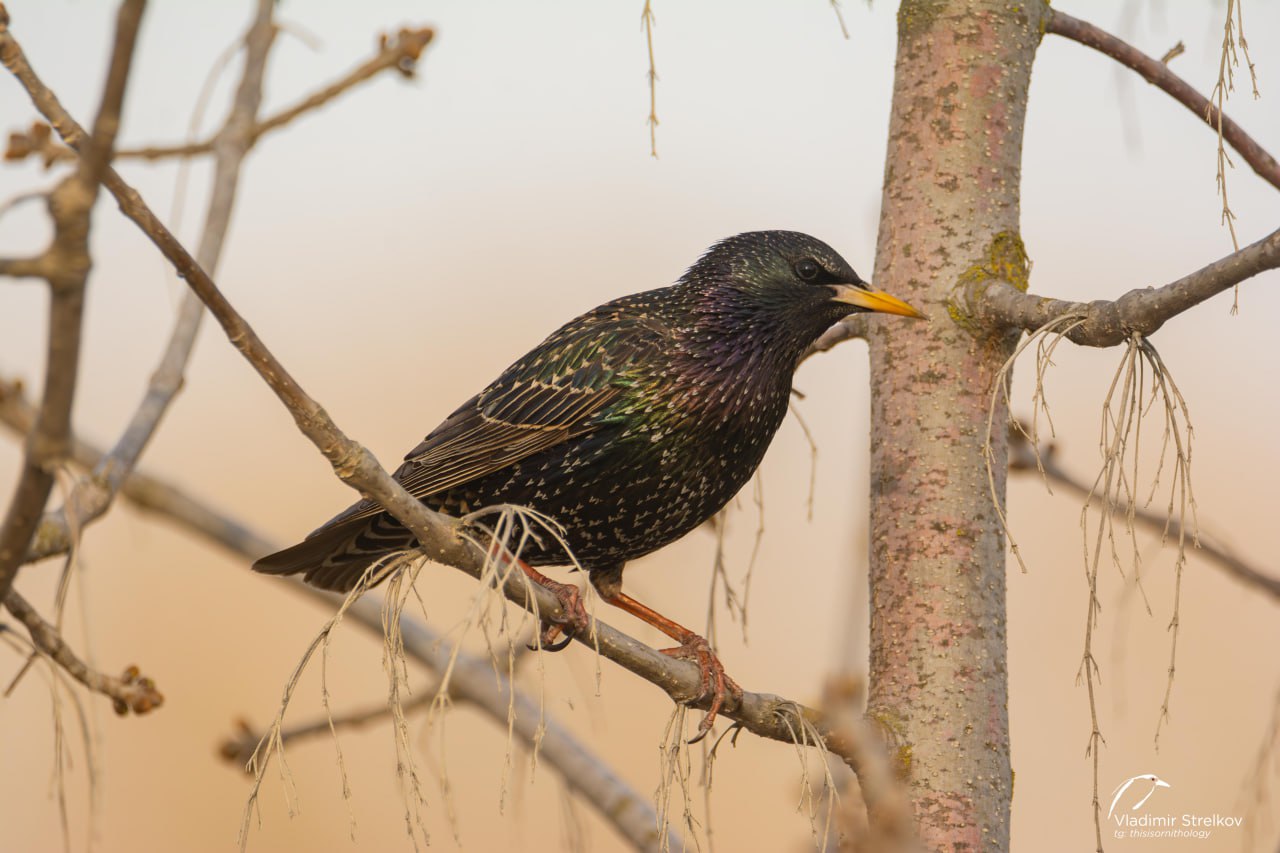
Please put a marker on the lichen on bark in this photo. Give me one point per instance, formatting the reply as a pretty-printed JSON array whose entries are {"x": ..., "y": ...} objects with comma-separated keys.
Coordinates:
[{"x": 1005, "y": 260}]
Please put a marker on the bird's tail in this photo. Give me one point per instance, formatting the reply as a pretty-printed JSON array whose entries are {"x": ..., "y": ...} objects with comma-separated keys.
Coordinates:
[{"x": 336, "y": 556}]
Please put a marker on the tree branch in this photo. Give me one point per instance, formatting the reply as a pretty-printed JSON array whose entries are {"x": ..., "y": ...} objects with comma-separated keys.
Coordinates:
[
  {"x": 239, "y": 747},
  {"x": 130, "y": 692},
  {"x": 890, "y": 823},
  {"x": 624, "y": 808},
  {"x": 34, "y": 267},
  {"x": 400, "y": 53},
  {"x": 439, "y": 535},
  {"x": 472, "y": 680},
  {"x": 92, "y": 495},
  {"x": 1106, "y": 323},
  {"x": 145, "y": 492},
  {"x": 1158, "y": 74},
  {"x": 71, "y": 206},
  {"x": 1026, "y": 459},
  {"x": 592, "y": 778},
  {"x": 853, "y": 326}
]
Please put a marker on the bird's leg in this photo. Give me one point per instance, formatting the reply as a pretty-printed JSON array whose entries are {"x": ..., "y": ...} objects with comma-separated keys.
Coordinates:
[
  {"x": 716, "y": 683},
  {"x": 575, "y": 618}
]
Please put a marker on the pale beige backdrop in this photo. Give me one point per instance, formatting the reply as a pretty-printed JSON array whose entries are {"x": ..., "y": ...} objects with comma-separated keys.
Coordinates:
[{"x": 400, "y": 248}]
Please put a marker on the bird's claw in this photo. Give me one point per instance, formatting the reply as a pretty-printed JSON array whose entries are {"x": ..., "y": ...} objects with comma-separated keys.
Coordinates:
[
  {"x": 716, "y": 683},
  {"x": 574, "y": 620},
  {"x": 547, "y": 638}
]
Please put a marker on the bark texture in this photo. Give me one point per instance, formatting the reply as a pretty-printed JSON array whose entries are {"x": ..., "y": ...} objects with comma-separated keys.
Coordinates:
[{"x": 949, "y": 219}]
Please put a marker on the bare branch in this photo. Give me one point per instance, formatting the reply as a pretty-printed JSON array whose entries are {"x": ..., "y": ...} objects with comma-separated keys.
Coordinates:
[
  {"x": 472, "y": 680},
  {"x": 1108, "y": 323},
  {"x": 835, "y": 7},
  {"x": 93, "y": 494},
  {"x": 592, "y": 778},
  {"x": 68, "y": 258},
  {"x": 1159, "y": 74},
  {"x": 1023, "y": 459},
  {"x": 439, "y": 535},
  {"x": 761, "y": 713},
  {"x": 239, "y": 747},
  {"x": 34, "y": 267},
  {"x": 853, "y": 326},
  {"x": 400, "y": 53},
  {"x": 890, "y": 820},
  {"x": 145, "y": 492},
  {"x": 130, "y": 692}
]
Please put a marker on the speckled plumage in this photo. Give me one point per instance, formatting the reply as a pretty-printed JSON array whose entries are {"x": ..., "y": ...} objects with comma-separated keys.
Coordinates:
[{"x": 630, "y": 425}]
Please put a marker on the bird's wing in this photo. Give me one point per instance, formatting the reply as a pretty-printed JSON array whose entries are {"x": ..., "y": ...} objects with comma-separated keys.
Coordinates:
[
  {"x": 560, "y": 390},
  {"x": 508, "y": 422}
]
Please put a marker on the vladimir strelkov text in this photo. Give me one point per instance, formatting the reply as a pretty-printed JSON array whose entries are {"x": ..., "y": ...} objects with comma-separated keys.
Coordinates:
[{"x": 1142, "y": 820}]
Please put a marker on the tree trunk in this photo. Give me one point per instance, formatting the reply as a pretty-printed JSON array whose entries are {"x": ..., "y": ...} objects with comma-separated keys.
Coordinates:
[{"x": 949, "y": 218}]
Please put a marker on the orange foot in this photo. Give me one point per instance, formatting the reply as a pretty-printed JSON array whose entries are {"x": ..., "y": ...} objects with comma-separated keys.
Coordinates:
[
  {"x": 716, "y": 683},
  {"x": 573, "y": 622}
]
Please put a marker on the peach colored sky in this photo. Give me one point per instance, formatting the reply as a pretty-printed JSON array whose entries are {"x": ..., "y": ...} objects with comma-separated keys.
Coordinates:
[{"x": 401, "y": 247}]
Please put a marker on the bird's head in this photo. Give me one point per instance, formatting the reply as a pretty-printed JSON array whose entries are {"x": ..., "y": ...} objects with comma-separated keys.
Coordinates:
[{"x": 783, "y": 285}]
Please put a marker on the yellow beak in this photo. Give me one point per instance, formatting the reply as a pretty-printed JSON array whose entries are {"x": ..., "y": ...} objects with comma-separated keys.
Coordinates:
[{"x": 873, "y": 300}]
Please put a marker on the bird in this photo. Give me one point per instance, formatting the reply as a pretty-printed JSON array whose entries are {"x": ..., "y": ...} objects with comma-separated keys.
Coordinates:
[{"x": 629, "y": 426}]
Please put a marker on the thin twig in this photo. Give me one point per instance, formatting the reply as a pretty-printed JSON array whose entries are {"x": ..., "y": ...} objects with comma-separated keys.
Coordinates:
[
  {"x": 1112, "y": 446},
  {"x": 70, "y": 206},
  {"x": 239, "y": 748},
  {"x": 400, "y": 53},
  {"x": 93, "y": 495},
  {"x": 647, "y": 21},
  {"x": 1058, "y": 328},
  {"x": 1228, "y": 61},
  {"x": 144, "y": 491},
  {"x": 39, "y": 266},
  {"x": 59, "y": 685},
  {"x": 1175, "y": 408},
  {"x": 1114, "y": 491},
  {"x": 835, "y": 7},
  {"x": 130, "y": 692}
]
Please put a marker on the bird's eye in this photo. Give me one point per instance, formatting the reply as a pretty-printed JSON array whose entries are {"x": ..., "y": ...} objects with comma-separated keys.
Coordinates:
[{"x": 807, "y": 269}]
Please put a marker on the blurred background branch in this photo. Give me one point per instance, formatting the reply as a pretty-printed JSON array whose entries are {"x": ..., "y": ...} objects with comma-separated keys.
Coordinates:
[
  {"x": 474, "y": 681},
  {"x": 65, "y": 266},
  {"x": 1028, "y": 460}
]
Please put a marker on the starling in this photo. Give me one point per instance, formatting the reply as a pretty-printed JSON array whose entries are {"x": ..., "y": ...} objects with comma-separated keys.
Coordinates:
[{"x": 629, "y": 426}]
